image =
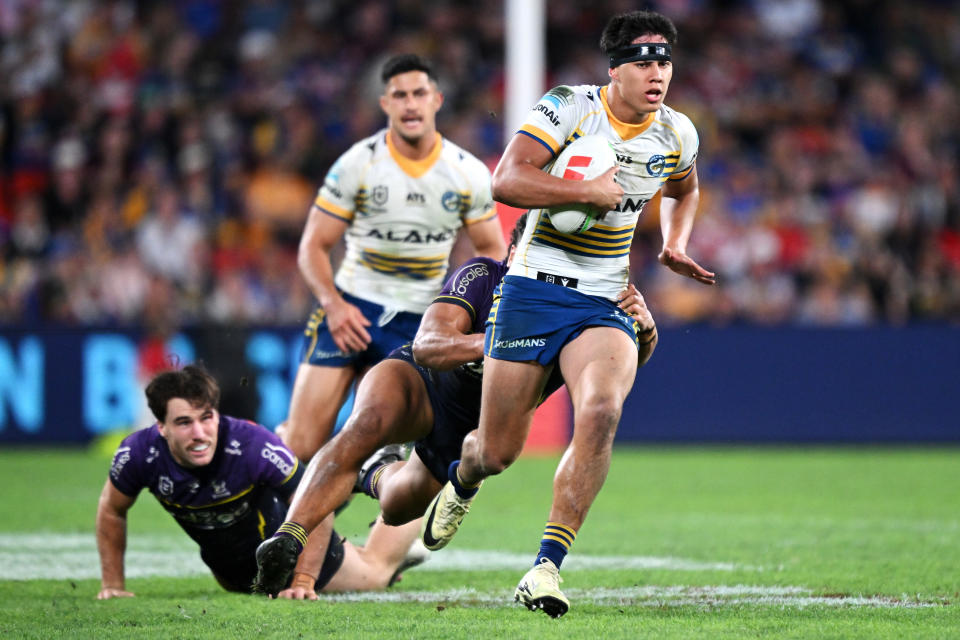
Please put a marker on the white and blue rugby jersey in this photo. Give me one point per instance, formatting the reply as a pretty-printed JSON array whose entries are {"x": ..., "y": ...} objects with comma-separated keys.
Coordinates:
[
  {"x": 663, "y": 147},
  {"x": 404, "y": 216}
]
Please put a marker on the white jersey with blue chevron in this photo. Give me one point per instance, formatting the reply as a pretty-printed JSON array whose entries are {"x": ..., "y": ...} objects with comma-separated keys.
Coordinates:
[
  {"x": 404, "y": 216},
  {"x": 663, "y": 147}
]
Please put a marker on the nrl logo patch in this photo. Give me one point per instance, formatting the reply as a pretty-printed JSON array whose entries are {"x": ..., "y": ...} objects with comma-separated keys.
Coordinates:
[{"x": 379, "y": 195}]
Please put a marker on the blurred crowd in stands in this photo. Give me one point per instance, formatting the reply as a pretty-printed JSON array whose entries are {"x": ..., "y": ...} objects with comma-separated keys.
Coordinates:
[{"x": 159, "y": 158}]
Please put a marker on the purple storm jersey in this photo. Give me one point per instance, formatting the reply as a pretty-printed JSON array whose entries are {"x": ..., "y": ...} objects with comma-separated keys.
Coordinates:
[
  {"x": 455, "y": 394},
  {"x": 229, "y": 505},
  {"x": 472, "y": 286}
]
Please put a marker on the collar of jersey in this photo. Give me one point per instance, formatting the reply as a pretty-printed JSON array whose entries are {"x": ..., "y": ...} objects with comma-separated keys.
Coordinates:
[
  {"x": 415, "y": 168},
  {"x": 624, "y": 130}
]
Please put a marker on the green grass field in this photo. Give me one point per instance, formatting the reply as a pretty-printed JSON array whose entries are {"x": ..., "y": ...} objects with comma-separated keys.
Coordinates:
[{"x": 681, "y": 543}]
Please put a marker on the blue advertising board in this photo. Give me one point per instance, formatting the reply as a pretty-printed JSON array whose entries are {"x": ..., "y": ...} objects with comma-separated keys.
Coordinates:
[{"x": 703, "y": 384}]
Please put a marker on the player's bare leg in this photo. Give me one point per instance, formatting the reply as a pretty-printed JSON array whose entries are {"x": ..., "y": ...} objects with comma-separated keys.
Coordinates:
[
  {"x": 511, "y": 391},
  {"x": 391, "y": 406},
  {"x": 318, "y": 393},
  {"x": 405, "y": 489},
  {"x": 375, "y": 564},
  {"x": 599, "y": 367},
  {"x": 509, "y": 398}
]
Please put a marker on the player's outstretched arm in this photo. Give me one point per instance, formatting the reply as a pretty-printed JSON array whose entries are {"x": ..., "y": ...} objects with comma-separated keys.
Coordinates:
[
  {"x": 112, "y": 541},
  {"x": 519, "y": 180},
  {"x": 443, "y": 340},
  {"x": 309, "y": 564},
  {"x": 678, "y": 208},
  {"x": 322, "y": 233}
]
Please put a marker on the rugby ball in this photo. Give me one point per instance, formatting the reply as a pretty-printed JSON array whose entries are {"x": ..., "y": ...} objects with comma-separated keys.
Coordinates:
[{"x": 583, "y": 159}]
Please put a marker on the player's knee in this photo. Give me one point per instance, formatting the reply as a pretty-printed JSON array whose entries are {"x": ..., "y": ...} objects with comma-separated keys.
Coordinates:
[
  {"x": 366, "y": 428},
  {"x": 396, "y": 510},
  {"x": 301, "y": 444},
  {"x": 494, "y": 462},
  {"x": 599, "y": 417}
]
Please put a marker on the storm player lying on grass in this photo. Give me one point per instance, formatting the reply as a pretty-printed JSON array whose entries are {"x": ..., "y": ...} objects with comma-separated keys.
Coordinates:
[{"x": 227, "y": 482}]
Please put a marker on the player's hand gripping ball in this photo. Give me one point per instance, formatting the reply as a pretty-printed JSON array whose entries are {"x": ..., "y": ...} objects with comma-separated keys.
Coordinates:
[{"x": 584, "y": 159}]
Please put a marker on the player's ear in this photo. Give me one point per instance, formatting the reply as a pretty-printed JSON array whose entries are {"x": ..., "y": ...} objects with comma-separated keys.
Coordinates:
[
  {"x": 438, "y": 97},
  {"x": 383, "y": 103},
  {"x": 614, "y": 73}
]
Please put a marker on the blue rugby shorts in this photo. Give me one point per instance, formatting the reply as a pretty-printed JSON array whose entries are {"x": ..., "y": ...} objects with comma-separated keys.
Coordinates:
[
  {"x": 532, "y": 320},
  {"x": 388, "y": 330}
]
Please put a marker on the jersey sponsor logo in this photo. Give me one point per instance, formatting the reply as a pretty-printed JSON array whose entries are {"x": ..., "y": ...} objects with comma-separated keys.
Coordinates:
[
  {"x": 416, "y": 198},
  {"x": 216, "y": 518},
  {"x": 234, "y": 448},
  {"x": 333, "y": 190},
  {"x": 329, "y": 354},
  {"x": 629, "y": 204},
  {"x": 622, "y": 159},
  {"x": 279, "y": 456},
  {"x": 520, "y": 343},
  {"x": 548, "y": 112},
  {"x": 413, "y": 236},
  {"x": 165, "y": 485},
  {"x": 469, "y": 276},
  {"x": 656, "y": 164},
  {"x": 120, "y": 459},
  {"x": 380, "y": 194}
]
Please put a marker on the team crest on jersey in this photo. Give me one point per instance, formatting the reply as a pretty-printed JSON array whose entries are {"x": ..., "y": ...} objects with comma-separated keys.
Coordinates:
[
  {"x": 234, "y": 448},
  {"x": 452, "y": 201},
  {"x": 656, "y": 164},
  {"x": 380, "y": 194},
  {"x": 165, "y": 486},
  {"x": 219, "y": 489}
]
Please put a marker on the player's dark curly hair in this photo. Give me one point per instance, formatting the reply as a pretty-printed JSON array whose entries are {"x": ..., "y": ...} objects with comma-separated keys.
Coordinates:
[
  {"x": 624, "y": 28},
  {"x": 403, "y": 63},
  {"x": 192, "y": 383},
  {"x": 517, "y": 231}
]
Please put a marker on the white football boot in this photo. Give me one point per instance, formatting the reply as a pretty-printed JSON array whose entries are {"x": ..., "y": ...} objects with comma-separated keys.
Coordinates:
[{"x": 540, "y": 589}]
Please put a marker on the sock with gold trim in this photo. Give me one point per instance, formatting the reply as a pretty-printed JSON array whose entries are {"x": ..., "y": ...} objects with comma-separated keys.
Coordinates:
[{"x": 555, "y": 543}]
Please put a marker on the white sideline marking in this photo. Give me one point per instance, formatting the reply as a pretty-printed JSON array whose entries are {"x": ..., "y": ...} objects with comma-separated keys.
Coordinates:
[
  {"x": 73, "y": 555},
  {"x": 648, "y": 596}
]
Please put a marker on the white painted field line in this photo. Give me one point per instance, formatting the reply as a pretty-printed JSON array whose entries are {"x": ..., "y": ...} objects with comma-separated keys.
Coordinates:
[
  {"x": 26, "y": 557},
  {"x": 74, "y": 556},
  {"x": 648, "y": 596}
]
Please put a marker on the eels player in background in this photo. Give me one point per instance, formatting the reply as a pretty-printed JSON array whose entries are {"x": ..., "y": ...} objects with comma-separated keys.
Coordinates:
[
  {"x": 399, "y": 198},
  {"x": 227, "y": 483},
  {"x": 537, "y": 324}
]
